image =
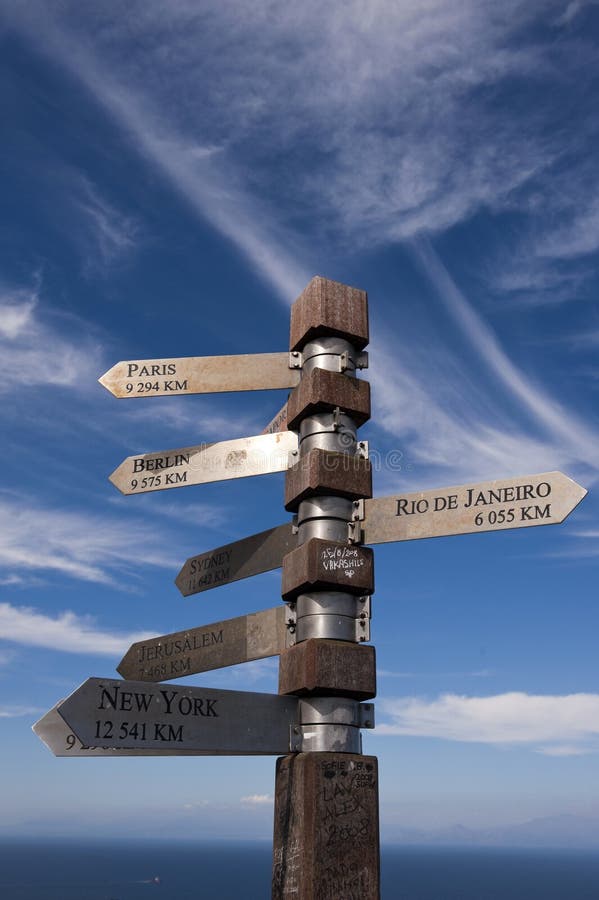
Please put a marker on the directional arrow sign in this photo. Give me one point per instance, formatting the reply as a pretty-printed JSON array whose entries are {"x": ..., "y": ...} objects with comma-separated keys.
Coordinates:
[
  {"x": 278, "y": 423},
  {"x": 232, "y": 562},
  {"x": 214, "y": 646},
  {"x": 206, "y": 462},
  {"x": 106, "y": 712},
  {"x": 200, "y": 375},
  {"x": 518, "y": 502},
  {"x": 60, "y": 740}
]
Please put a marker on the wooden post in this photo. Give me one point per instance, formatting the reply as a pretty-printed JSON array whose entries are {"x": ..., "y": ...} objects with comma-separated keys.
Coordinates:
[{"x": 326, "y": 830}]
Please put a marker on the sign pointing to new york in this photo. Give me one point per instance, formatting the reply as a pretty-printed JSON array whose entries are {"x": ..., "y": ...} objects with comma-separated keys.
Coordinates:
[
  {"x": 200, "y": 375},
  {"x": 518, "y": 502},
  {"x": 105, "y": 712},
  {"x": 220, "y": 461},
  {"x": 60, "y": 740},
  {"x": 227, "y": 643}
]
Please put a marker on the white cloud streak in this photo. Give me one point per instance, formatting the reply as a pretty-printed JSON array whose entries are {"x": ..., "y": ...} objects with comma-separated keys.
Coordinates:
[
  {"x": 81, "y": 546},
  {"x": 257, "y": 800},
  {"x": 548, "y": 723},
  {"x": 286, "y": 103},
  {"x": 15, "y": 712},
  {"x": 67, "y": 632},
  {"x": 33, "y": 352}
]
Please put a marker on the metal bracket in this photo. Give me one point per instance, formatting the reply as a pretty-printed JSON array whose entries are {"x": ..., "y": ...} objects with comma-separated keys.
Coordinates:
[
  {"x": 357, "y": 511},
  {"x": 362, "y": 629},
  {"x": 294, "y": 525},
  {"x": 296, "y": 359},
  {"x": 354, "y": 533},
  {"x": 292, "y": 458},
  {"x": 354, "y": 529},
  {"x": 290, "y": 624},
  {"x": 352, "y": 361},
  {"x": 366, "y": 715},
  {"x": 363, "y": 449}
]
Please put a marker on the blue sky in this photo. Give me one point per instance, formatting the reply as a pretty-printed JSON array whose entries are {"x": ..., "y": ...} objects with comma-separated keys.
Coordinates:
[{"x": 172, "y": 177}]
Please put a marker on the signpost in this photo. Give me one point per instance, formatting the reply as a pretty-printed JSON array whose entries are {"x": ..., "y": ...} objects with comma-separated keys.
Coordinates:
[
  {"x": 221, "y": 461},
  {"x": 200, "y": 375},
  {"x": 135, "y": 715},
  {"x": 326, "y": 841},
  {"x": 232, "y": 562},
  {"x": 517, "y": 502},
  {"x": 213, "y": 646}
]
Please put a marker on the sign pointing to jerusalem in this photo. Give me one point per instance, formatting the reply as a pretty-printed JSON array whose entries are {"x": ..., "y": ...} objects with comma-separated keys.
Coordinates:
[
  {"x": 518, "y": 502},
  {"x": 214, "y": 646},
  {"x": 232, "y": 562},
  {"x": 200, "y": 375},
  {"x": 220, "y": 461},
  {"x": 106, "y": 712}
]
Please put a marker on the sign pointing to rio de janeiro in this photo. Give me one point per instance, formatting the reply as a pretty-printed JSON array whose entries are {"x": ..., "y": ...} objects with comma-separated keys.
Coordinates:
[
  {"x": 518, "y": 502},
  {"x": 105, "y": 712},
  {"x": 240, "y": 559},
  {"x": 226, "y": 643},
  {"x": 200, "y": 375},
  {"x": 220, "y": 461}
]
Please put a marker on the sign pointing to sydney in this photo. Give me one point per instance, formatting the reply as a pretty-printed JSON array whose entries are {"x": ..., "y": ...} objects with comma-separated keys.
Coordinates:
[{"x": 200, "y": 375}]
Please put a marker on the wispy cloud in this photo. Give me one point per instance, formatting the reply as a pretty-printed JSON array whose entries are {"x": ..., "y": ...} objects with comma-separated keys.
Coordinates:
[
  {"x": 111, "y": 234},
  {"x": 91, "y": 548},
  {"x": 33, "y": 351},
  {"x": 429, "y": 402},
  {"x": 547, "y": 723},
  {"x": 67, "y": 632},
  {"x": 14, "y": 712},
  {"x": 257, "y": 800},
  {"x": 439, "y": 75}
]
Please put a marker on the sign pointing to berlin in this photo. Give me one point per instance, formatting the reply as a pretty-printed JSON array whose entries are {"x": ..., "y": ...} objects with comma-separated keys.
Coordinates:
[
  {"x": 213, "y": 646},
  {"x": 220, "y": 461},
  {"x": 518, "y": 502},
  {"x": 106, "y": 712},
  {"x": 200, "y": 375},
  {"x": 240, "y": 559}
]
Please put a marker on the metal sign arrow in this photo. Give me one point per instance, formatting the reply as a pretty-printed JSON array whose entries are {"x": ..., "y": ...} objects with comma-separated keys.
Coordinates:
[
  {"x": 213, "y": 646},
  {"x": 200, "y": 375},
  {"x": 203, "y": 463},
  {"x": 53, "y": 731},
  {"x": 518, "y": 502},
  {"x": 106, "y": 712},
  {"x": 240, "y": 559}
]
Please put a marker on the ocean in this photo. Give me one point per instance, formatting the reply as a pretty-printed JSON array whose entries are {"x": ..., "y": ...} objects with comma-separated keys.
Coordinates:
[{"x": 226, "y": 871}]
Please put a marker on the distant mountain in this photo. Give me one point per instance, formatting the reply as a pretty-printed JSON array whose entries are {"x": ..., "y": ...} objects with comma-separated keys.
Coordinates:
[{"x": 568, "y": 831}]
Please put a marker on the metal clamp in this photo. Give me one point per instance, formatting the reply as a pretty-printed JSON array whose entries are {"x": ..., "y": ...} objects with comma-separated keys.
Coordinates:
[
  {"x": 296, "y": 359},
  {"x": 330, "y": 724},
  {"x": 290, "y": 625}
]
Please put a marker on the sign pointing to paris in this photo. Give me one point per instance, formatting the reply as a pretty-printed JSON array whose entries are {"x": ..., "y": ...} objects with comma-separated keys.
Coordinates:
[
  {"x": 213, "y": 646},
  {"x": 220, "y": 461},
  {"x": 232, "y": 562},
  {"x": 200, "y": 375},
  {"x": 518, "y": 502},
  {"x": 105, "y": 712}
]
